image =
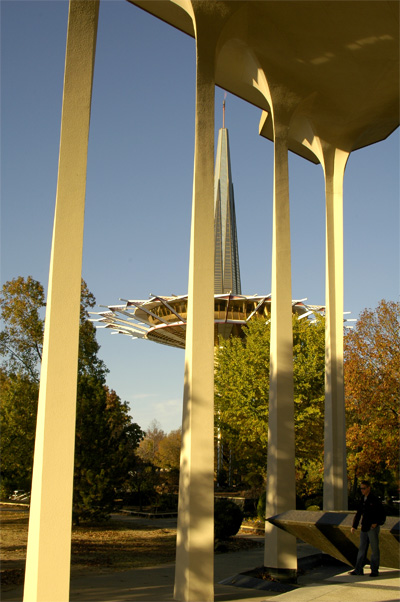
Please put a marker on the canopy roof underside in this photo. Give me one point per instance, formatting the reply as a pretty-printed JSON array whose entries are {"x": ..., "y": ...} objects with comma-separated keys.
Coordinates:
[{"x": 337, "y": 62}]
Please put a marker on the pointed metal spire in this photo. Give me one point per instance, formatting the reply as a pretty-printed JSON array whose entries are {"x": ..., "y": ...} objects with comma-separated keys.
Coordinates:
[{"x": 227, "y": 271}]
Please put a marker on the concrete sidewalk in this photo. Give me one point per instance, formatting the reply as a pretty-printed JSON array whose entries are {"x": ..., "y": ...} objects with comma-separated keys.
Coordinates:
[{"x": 326, "y": 583}]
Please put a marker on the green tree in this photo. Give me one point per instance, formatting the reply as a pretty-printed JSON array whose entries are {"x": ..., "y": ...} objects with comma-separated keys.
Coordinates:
[
  {"x": 241, "y": 400},
  {"x": 22, "y": 303},
  {"x": 21, "y": 340},
  {"x": 18, "y": 408},
  {"x": 106, "y": 437},
  {"x": 242, "y": 395},
  {"x": 105, "y": 445},
  {"x": 88, "y": 361},
  {"x": 372, "y": 377},
  {"x": 309, "y": 399}
]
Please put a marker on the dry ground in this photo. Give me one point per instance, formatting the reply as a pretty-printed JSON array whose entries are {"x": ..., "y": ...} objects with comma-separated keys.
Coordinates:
[
  {"x": 116, "y": 545},
  {"x": 119, "y": 544}
]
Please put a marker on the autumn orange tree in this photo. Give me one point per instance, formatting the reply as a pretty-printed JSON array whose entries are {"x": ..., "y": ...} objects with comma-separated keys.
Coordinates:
[
  {"x": 372, "y": 377},
  {"x": 160, "y": 452}
]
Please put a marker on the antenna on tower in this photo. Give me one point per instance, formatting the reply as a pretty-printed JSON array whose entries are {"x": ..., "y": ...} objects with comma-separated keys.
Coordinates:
[{"x": 223, "y": 112}]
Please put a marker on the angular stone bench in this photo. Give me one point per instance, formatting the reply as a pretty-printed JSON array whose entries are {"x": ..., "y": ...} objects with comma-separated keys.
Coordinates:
[{"x": 330, "y": 532}]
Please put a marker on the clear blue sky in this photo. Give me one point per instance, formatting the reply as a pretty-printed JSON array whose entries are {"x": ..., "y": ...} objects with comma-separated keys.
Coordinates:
[{"x": 139, "y": 186}]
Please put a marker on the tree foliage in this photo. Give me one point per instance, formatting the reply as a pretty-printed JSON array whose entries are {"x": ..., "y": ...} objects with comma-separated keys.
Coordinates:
[
  {"x": 169, "y": 451},
  {"x": 242, "y": 395},
  {"x": 88, "y": 361},
  {"x": 22, "y": 303},
  {"x": 241, "y": 384},
  {"x": 161, "y": 452},
  {"x": 372, "y": 377},
  {"x": 105, "y": 445},
  {"x": 18, "y": 408},
  {"x": 21, "y": 340},
  {"x": 228, "y": 518},
  {"x": 149, "y": 446},
  {"x": 309, "y": 399},
  {"x": 106, "y": 437}
]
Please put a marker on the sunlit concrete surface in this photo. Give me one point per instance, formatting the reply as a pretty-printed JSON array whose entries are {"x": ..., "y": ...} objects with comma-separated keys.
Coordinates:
[{"x": 49, "y": 540}]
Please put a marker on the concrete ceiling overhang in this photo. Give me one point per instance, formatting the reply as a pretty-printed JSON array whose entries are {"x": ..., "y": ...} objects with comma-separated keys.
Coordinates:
[{"x": 337, "y": 62}]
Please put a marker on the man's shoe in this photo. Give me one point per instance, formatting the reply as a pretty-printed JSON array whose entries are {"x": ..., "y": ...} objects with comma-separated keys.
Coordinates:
[
  {"x": 374, "y": 574},
  {"x": 356, "y": 572}
]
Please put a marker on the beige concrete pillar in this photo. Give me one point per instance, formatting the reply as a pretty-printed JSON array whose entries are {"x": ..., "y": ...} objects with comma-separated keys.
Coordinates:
[
  {"x": 335, "y": 473},
  {"x": 194, "y": 573},
  {"x": 280, "y": 547},
  {"x": 49, "y": 541}
]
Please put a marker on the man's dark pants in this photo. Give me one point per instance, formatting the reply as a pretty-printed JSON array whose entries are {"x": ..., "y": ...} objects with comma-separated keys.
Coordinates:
[{"x": 370, "y": 537}]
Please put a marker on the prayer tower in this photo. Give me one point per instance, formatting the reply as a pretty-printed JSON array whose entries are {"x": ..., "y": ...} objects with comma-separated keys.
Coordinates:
[{"x": 227, "y": 271}]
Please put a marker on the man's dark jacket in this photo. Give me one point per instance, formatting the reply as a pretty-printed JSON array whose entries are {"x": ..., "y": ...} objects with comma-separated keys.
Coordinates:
[{"x": 370, "y": 511}]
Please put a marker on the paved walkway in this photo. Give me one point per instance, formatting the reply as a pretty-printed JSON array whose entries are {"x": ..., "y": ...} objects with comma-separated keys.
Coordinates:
[
  {"x": 326, "y": 583},
  {"x": 342, "y": 587},
  {"x": 155, "y": 584}
]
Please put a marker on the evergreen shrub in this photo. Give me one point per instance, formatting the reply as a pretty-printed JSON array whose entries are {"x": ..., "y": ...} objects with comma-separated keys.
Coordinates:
[{"x": 227, "y": 519}]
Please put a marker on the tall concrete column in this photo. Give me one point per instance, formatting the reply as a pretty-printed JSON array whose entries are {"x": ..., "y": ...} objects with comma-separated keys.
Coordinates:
[
  {"x": 280, "y": 547},
  {"x": 49, "y": 541},
  {"x": 194, "y": 573},
  {"x": 335, "y": 473}
]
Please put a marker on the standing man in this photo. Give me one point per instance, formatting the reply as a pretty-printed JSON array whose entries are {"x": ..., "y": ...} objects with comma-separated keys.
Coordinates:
[{"x": 371, "y": 513}]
